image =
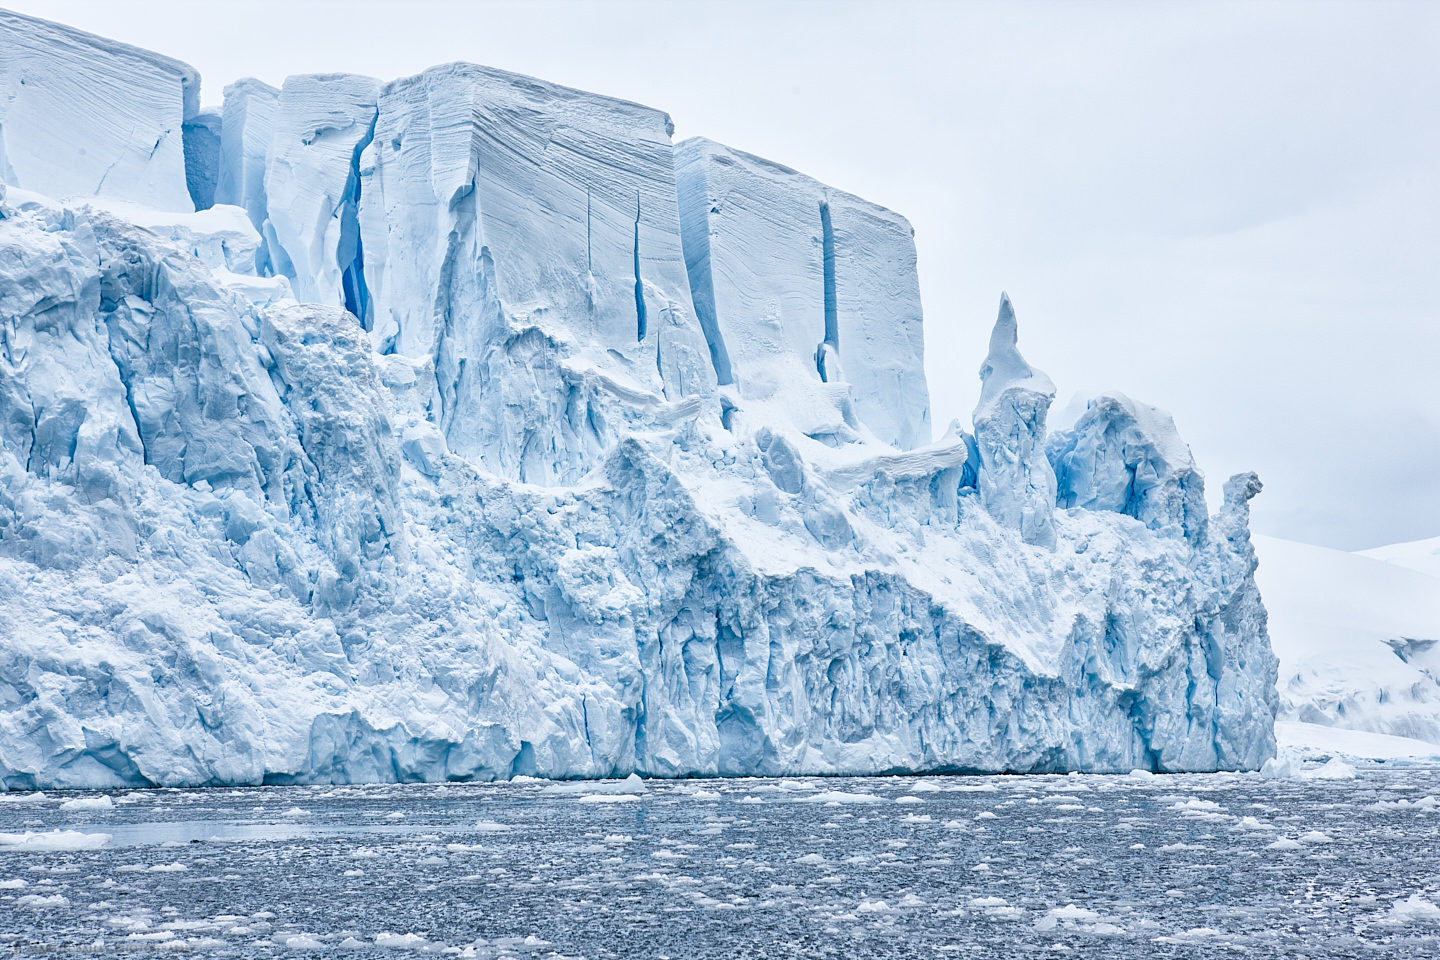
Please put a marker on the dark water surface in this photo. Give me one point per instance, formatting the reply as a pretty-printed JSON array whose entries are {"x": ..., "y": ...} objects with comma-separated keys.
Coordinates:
[{"x": 1179, "y": 866}]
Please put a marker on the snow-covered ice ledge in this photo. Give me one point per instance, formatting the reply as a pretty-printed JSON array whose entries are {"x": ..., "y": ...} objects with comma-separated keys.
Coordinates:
[{"x": 583, "y": 457}]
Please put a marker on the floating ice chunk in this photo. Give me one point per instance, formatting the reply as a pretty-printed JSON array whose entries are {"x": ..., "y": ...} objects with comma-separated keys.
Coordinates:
[
  {"x": 490, "y": 826},
  {"x": 632, "y": 784},
  {"x": 15, "y": 884},
  {"x": 53, "y": 840},
  {"x": 401, "y": 941},
  {"x": 1332, "y": 769},
  {"x": 608, "y": 798},
  {"x": 296, "y": 812},
  {"x": 1073, "y": 918},
  {"x": 840, "y": 797},
  {"x": 1315, "y": 836},
  {"x": 1284, "y": 843},
  {"x": 1277, "y": 768},
  {"x": 925, "y": 786},
  {"x": 37, "y": 902},
  {"x": 1413, "y": 909},
  {"x": 88, "y": 803},
  {"x": 1427, "y": 804},
  {"x": 299, "y": 941},
  {"x": 811, "y": 858},
  {"x": 81, "y": 115},
  {"x": 1194, "y": 805}
]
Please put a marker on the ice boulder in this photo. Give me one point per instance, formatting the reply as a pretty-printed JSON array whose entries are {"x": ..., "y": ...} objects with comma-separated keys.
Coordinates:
[
  {"x": 312, "y": 183},
  {"x": 1128, "y": 457},
  {"x": 522, "y": 239},
  {"x": 809, "y": 295},
  {"x": 81, "y": 115},
  {"x": 1015, "y": 479}
]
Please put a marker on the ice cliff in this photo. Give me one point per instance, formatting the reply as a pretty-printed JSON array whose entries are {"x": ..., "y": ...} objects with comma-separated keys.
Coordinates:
[{"x": 475, "y": 430}]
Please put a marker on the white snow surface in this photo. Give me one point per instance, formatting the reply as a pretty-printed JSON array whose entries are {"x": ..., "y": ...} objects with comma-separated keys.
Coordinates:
[
  {"x": 483, "y": 501},
  {"x": 1357, "y": 641},
  {"x": 1422, "y": 556}
]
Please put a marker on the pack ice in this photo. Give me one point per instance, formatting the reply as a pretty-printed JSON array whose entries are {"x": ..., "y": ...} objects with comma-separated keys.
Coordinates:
[{"x": 462, "y": 426}]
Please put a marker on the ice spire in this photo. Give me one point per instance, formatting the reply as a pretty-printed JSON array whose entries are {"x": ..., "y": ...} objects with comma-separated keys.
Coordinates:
[
  {"x": 1016, "y": 481},
  {"x": 1004, "y": 367}
]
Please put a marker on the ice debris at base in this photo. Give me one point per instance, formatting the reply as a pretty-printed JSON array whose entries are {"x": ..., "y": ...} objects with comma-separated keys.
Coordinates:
[{"x": 577, "y": 457}]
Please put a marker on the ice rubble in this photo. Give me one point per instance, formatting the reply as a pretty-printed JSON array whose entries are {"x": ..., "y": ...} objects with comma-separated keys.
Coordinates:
[{"x": 497, "y": 496}]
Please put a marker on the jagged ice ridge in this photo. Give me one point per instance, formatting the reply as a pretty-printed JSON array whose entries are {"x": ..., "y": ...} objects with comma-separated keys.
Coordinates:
[{"x": 462, "y": 426}]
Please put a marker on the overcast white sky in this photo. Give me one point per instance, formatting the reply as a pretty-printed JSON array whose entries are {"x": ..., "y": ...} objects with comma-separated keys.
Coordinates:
[{"x": 1228, "y": 210}]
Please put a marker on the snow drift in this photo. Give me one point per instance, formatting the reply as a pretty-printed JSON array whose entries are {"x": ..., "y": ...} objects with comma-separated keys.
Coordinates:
[{"x": 476, "y": 432}]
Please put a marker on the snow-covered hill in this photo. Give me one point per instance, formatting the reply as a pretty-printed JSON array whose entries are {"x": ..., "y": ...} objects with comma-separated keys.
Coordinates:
[
  {"x": 1422, "y": 556},
  {"x": 480, "y": 431},
  {"x": 1358, "y": 639}
]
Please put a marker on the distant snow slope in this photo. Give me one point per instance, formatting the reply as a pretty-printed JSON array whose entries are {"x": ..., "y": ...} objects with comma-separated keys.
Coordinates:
[
  {"x": 1419, "y": 555},
  {"x": 1357, "y": 639}
]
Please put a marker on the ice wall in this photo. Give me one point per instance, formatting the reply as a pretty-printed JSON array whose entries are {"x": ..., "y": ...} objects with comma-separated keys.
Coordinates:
[
  {"x": 809, "y": 295},
  {"x": 508, "y": 501},
  {"x": 312, "y": 186},
  {"x": 514, "y": 233},
  {"x": 85, "y": 116},
  {"x": 202, "y": 137},
  {"x": 248, "y": 119}
]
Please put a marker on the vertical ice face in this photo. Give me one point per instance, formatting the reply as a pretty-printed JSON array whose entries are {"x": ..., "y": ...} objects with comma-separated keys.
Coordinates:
[
  {"x": 202, "y": 156},
  {"x": 312, "y": 183},
  {"x": 247, "y": 122},
  {"x": 809, "y": 295},
  {"x": 1128, "y": 457},
  {"x": 1016, "y": 481},
  {"x": 85, "y": 116},
  {"x": 522, "y": 240}
]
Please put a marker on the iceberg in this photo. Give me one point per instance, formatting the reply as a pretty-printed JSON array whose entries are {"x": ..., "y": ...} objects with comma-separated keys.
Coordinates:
[{"x": 464, "y": 438}]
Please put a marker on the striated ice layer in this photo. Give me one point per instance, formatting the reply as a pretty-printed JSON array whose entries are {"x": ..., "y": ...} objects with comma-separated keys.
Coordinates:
[
  {"x": 248, "y": 119},
  {"x": 809, "y": 296},
  {"x": 459, "y": 472},
  {"x": 312, "y": 184},
  {"x": 522, "y": 247},
  {"x": 85, "y": 116}
]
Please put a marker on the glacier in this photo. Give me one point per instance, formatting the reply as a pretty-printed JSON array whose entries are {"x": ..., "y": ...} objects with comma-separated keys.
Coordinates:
[{"x": 463, "y": 426}]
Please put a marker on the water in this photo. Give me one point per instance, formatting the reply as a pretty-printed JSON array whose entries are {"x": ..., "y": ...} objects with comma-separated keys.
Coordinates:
[{"x": 1147, "y": 867}]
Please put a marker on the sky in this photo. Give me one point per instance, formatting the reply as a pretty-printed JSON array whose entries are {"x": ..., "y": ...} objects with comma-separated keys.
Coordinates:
[{"x": 1229, "y": 210}]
